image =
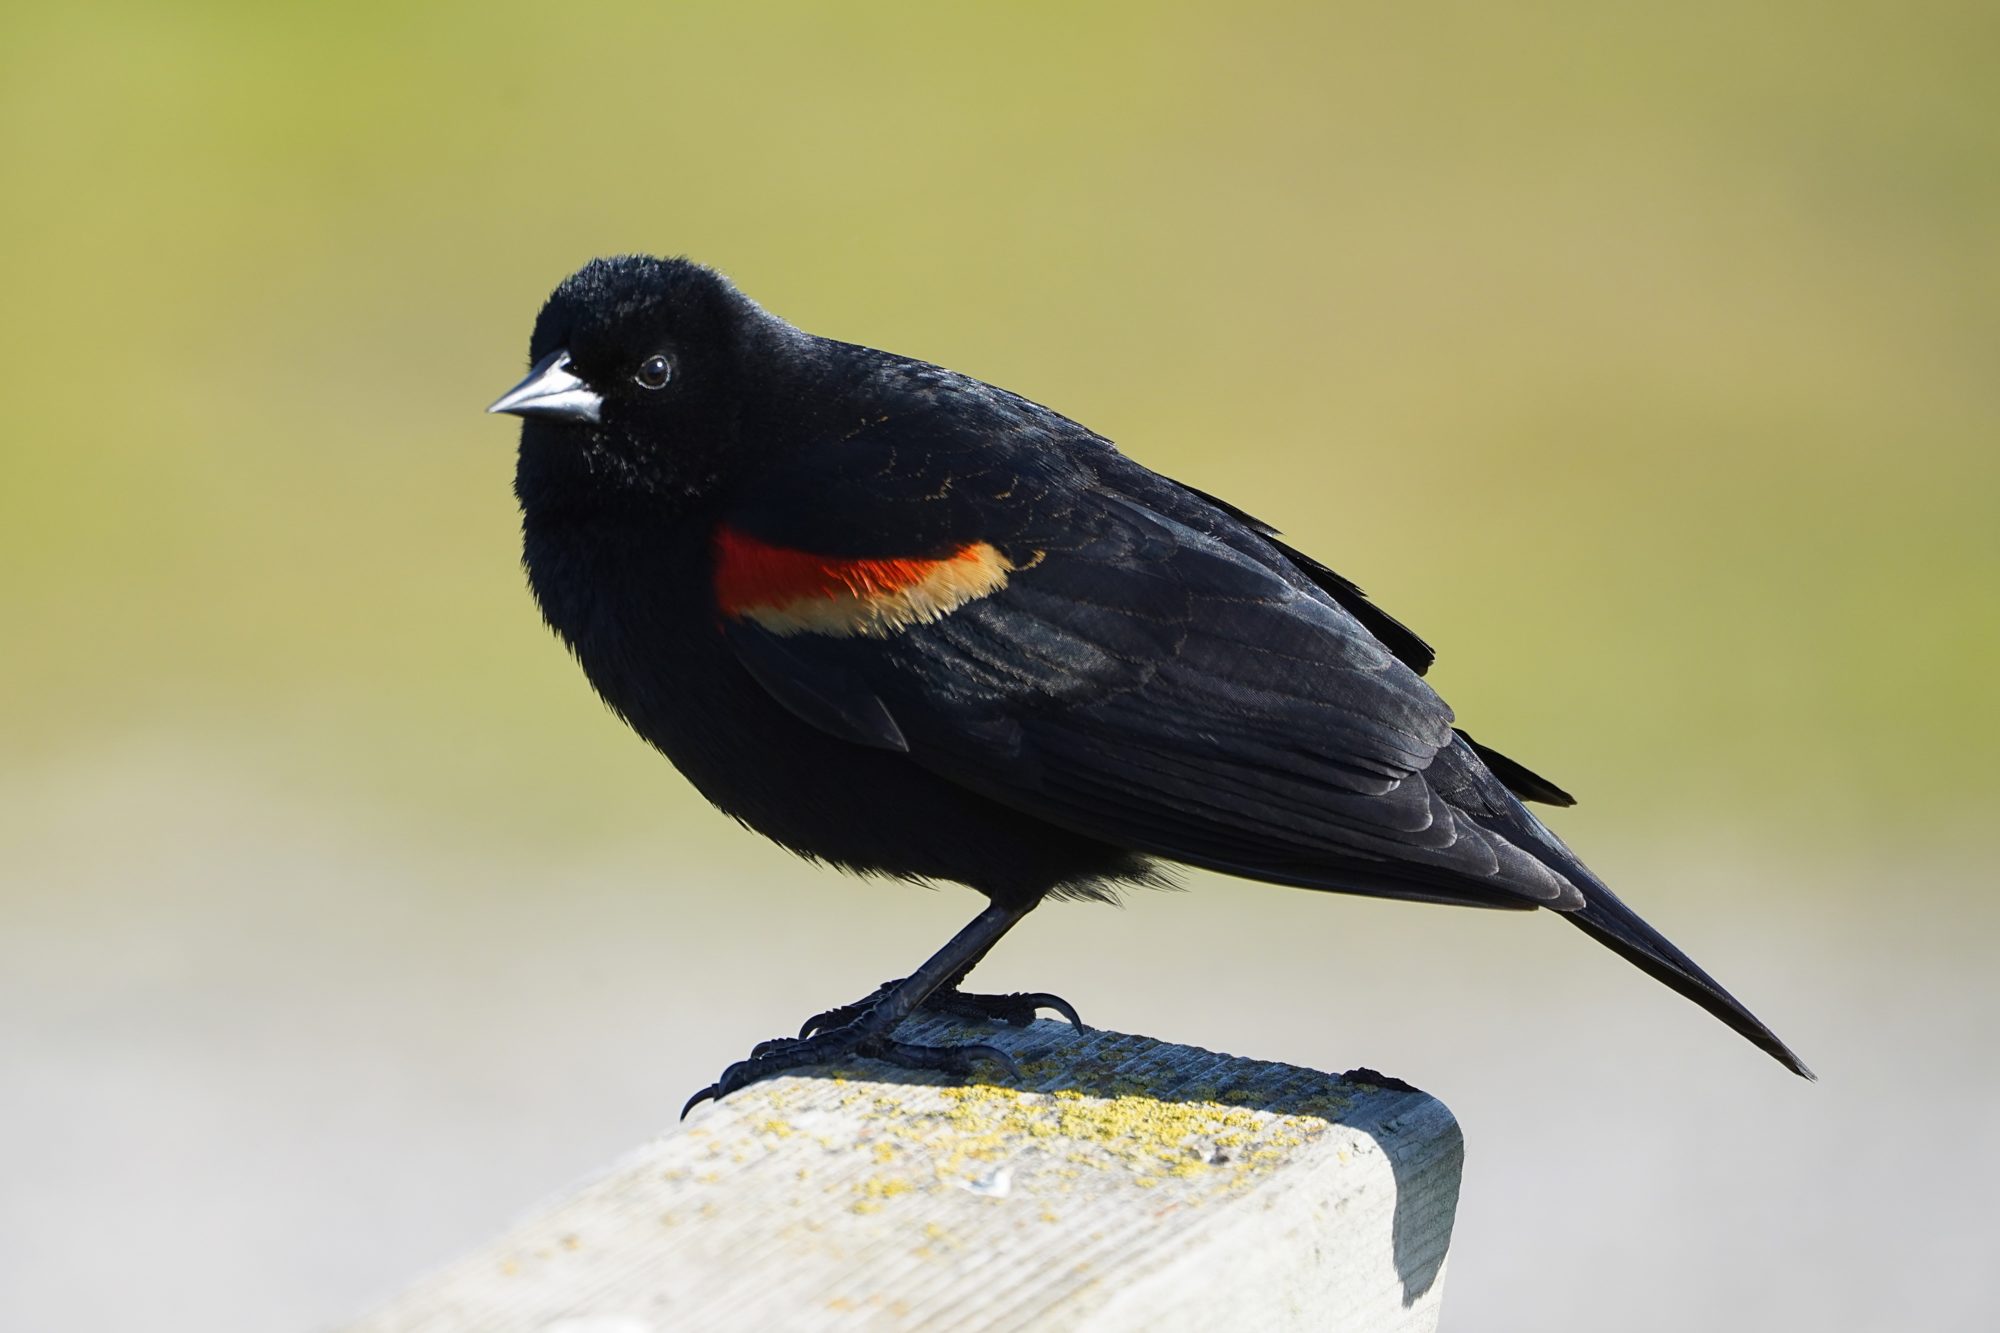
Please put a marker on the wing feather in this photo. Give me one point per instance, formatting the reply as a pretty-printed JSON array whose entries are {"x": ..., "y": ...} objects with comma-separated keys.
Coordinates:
[{"x": 1153, "y": 672}]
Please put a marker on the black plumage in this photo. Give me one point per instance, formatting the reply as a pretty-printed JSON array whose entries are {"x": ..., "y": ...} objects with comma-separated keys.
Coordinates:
[{"x": 907, "y": 623}]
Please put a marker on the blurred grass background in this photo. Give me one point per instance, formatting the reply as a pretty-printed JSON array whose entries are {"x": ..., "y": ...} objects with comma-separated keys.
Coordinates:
[{"x": 1643, "y": 358}]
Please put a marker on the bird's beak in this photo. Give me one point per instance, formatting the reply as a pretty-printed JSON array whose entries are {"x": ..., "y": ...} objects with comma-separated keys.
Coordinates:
[{"x": 551, "y": 391}]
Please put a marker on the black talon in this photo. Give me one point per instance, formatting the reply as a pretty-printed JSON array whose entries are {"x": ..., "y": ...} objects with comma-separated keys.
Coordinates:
[
  {"x": 1043, "y": 1000},
  {"x": 830, "y": 1018},
  {"x": 842, "y": 1015},
  {"x": 1015, "y": 1010},
  {"x": 712, "y": 1090},
  {"x": 853, "y": 1041},
  {"x": 850, "y": 1031}
]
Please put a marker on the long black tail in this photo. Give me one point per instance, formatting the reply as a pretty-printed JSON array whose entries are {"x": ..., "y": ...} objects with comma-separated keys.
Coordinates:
[
  {"x": 1617, "y": 927},
  {"x": 1492, "y": 800}
]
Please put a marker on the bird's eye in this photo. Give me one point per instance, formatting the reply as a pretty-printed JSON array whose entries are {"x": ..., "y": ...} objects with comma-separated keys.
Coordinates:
[{"x": 654, "y": 372}]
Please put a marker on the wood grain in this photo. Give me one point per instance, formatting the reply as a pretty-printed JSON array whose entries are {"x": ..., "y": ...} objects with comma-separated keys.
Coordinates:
[{"x": 1125, "y": 1184}]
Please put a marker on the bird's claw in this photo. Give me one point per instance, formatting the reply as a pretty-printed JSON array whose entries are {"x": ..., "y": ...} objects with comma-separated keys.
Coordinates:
[
  {"x": 1016, "y": 1010},
  {"x": 781, "y": 1055},
  {"x": 842, "y": 1015}
]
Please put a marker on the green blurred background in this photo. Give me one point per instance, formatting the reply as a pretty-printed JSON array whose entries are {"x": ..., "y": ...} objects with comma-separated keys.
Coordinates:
[{"x": 1641, "y": 357}]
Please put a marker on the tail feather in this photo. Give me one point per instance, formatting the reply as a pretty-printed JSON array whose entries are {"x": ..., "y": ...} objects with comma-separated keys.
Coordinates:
[
  {"x": 1619, "y": 928},
  {"x": 1463, "y": 774}
]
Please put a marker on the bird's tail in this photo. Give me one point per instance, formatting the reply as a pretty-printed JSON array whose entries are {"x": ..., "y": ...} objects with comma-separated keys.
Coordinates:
[{"x": 1611, "y": 923}]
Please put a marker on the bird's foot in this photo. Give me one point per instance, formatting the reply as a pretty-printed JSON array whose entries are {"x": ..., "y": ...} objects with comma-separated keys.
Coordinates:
[
  {"x": 850, "y": 1040},
  {"x": 1016, "y": 1010}
]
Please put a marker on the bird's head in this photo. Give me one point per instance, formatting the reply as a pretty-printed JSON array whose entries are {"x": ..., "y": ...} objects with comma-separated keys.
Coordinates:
[{"x": 641, "y": 370}]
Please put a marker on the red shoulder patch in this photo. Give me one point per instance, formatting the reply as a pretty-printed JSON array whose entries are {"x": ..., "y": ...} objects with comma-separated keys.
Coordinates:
[{"x": 799, "y": 592}]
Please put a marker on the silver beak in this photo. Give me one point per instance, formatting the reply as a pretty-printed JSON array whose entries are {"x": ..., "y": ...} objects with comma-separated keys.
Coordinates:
[{"x": 551, "y": 391}]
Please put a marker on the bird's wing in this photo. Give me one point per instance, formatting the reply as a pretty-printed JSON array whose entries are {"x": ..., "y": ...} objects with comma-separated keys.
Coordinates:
[{"x": 1033, "y": 616}]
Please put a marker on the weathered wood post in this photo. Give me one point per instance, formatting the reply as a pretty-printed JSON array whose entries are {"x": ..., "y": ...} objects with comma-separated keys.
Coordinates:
[{"x": 1126, "y": 1184}]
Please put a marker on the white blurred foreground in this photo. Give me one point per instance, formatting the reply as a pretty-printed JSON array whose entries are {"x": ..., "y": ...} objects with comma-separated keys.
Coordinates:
[{"x": 264, "y": 1061}]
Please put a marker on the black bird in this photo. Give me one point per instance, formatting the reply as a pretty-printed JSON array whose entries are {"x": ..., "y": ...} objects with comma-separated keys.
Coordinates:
[{"x": 910, "y": 624}]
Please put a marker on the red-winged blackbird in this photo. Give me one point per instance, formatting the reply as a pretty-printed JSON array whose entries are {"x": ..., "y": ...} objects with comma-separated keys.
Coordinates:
[{"x": 910, "y": 624}]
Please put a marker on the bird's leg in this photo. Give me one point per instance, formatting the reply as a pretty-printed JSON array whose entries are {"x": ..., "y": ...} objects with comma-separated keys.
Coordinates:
[
  {"x": 866, "y": 1031},
  {"x": 1017, "y": 1009}
]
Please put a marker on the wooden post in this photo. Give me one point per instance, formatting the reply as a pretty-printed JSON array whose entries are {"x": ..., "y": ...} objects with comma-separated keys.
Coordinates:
[{"x": 1125, "y": 1184}]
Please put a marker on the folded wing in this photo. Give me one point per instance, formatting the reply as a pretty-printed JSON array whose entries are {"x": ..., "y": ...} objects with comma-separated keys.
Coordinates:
[{"x": 1076, "y": 637}]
